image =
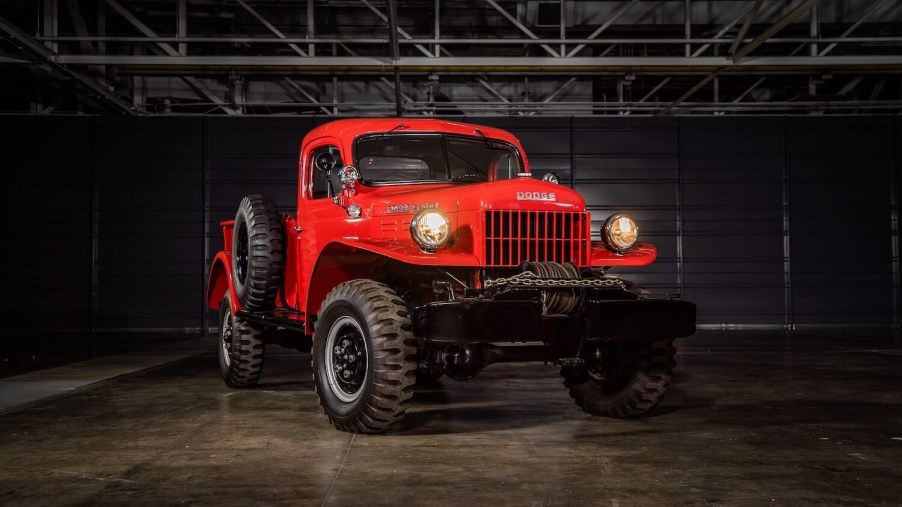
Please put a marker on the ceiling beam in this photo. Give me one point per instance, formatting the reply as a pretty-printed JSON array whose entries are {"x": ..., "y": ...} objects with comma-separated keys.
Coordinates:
[
  {"x": 520, "y": 26},
  {"x": 498, "y": 64},
  {"x": 485, "y": 84},
  {"x": 296, "y": 87},
  {"x": 381, "y": 78},
  {"x": 401, "y": 31},
  {"x": 773, "y": 29},
  {"x": 854, "y": 82},
  {"x": 269, "y": 26},
  {"x": 49, "y": 61},
  {"x": 749, "y": 90},
  {"x": 749, "y": 19},
  {"x": 702, "y": 49},
  {"x": 876, "y": 9},
  {"x": 78, "y": 22},
  {"x": 692, "y": 91},
  {"x": 171, "y": 52},
  {"x": 395, "y": 55},
  {"x": 617, "y": 15}
]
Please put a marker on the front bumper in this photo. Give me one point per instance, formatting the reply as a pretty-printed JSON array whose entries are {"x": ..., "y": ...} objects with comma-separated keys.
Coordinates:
[{"x": 503, "y": 321}]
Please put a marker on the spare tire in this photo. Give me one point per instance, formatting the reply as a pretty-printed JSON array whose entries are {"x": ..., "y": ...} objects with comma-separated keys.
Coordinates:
[{"x": 258, "y": 253}]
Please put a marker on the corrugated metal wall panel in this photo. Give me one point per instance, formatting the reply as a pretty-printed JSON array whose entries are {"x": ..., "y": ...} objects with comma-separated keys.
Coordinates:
[
  {"x": 732, "y": 218},
  {"x": 149, "y": 189},
  {"x": 252, "y": 156},
  {"x": 841, "y": 219},
  {"x": 896, "y": 176},
  {"x": 47, "y": 208}
]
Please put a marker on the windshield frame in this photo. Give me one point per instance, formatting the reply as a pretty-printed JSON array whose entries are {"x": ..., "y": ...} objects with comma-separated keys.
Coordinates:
[{"x": 443, "y": 136}]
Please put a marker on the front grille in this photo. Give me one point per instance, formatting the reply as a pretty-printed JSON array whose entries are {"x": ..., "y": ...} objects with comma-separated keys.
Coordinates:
[{"x": 512, "y": 237}]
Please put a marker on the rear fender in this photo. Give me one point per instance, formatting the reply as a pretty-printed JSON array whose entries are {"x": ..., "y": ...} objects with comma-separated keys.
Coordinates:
[{"x": 219, "y": 281}]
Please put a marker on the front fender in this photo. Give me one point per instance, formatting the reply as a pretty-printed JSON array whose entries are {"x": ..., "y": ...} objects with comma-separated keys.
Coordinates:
[
  {"x": 408, "y": 253},
  {"x": 349, "y": 258},
  {"x": 641, "y": 254}
]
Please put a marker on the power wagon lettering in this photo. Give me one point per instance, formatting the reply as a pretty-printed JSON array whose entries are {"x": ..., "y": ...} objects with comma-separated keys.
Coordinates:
[{"x": 408, "y": 208}]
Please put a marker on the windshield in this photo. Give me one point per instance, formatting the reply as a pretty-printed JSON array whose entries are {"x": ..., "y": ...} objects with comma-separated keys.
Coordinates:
[{"x": 414, "y": 158}]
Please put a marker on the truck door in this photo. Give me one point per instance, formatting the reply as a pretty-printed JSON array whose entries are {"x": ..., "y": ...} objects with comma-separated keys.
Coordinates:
[{"x": 319, "y": 219}]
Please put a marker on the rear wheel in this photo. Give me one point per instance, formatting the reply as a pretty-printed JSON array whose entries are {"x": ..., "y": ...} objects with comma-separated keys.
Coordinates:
[
  {"x": 258, "y": 253},
  {"x": 241, "y": 348},
  {"x": 621, "y": 379},
  {"x": 364, "y": 357}
]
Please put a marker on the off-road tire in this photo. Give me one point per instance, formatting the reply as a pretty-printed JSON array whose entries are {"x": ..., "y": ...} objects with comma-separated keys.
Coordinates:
[
  {"x": 241, "y": 348},
  {"x": 258, "y": 253},
  {"x": 629, "y": 380},
  {"x": 374, "y": 322}
]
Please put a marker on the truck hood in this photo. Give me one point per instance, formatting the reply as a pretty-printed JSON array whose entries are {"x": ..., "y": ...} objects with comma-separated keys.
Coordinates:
[{"x": 516, "y": 194}]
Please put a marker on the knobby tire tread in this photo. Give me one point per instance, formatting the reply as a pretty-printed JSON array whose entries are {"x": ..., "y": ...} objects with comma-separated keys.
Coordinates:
[{"x": 394, "y": 356}]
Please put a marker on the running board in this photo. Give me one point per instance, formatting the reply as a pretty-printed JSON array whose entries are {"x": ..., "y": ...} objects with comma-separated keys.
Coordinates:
[{"x": 289, "y": 319}]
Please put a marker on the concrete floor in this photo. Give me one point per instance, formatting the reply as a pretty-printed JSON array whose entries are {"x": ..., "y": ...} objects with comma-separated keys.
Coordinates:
[{"x": 752, "y": 418}]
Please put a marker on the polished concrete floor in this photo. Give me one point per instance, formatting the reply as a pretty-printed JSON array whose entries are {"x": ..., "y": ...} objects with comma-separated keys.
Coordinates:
[{"x": 753, "y": 418}]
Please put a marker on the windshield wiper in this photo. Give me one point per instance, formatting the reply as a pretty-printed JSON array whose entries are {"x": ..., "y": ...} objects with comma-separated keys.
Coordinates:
[
  {"x": 488, "y": 142},
  {"x": 468, "y": 177},
  {"x": 400, "y": 126}
]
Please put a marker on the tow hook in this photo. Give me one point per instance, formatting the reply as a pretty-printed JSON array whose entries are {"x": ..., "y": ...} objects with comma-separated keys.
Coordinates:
[{"x": 440, "y": 287}]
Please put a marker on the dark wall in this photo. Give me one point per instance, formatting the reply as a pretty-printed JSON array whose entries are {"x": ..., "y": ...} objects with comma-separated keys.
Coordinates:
[{"x": 759, "y": 220}]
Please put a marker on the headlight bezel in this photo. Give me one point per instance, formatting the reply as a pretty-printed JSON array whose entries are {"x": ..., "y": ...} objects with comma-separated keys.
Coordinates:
[
  {"x": 421, "y": 219},
  {"x": 613, "y": 240}
]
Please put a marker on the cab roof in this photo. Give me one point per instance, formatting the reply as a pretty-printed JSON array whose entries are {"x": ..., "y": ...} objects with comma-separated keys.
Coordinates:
[{"x": 348, "y": 130}]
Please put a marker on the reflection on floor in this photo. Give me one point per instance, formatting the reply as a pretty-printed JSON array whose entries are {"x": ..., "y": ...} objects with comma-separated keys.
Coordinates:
[{"x": 752, "y": 418}]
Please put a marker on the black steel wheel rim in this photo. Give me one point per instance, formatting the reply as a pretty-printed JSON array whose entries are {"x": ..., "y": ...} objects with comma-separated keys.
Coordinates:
[
  {"x": 225, "y": 339},
  {"x": 612, "y": 365},
  {"x": 346, "y": 359},
  {"x": 242, "y": 253}
]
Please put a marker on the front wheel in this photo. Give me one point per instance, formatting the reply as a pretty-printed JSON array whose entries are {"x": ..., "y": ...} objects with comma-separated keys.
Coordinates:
[
  {"x": 621, "y": 379},
  {"x": 364, "y": 357}
]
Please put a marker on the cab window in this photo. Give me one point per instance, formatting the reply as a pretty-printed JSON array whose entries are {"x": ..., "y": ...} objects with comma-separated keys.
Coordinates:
[{"x": 320, "y": 188}]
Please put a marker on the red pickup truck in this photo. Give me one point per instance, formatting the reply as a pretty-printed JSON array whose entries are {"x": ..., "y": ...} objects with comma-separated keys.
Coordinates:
[{"x": 421, "y": 248}]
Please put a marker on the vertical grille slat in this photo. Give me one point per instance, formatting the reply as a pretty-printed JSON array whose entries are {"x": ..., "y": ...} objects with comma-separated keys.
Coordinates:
[{"x": 513, "y": 237}]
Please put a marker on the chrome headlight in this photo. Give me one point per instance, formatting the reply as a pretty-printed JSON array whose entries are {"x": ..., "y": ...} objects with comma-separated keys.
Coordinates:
[
  {"x": 431, "y": 229},
  {"x": 620, "y": 232}
]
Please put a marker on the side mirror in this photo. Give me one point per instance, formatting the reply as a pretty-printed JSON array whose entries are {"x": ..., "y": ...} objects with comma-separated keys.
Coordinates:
[{"x": 325, "y": 161}]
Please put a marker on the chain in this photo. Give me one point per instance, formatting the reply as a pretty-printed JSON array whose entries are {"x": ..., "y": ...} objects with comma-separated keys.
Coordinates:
[{"x": 529, "y": 279}]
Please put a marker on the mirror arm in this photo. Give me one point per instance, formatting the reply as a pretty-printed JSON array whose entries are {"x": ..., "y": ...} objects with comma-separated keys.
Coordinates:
[{"x": 331, "y": 191}]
